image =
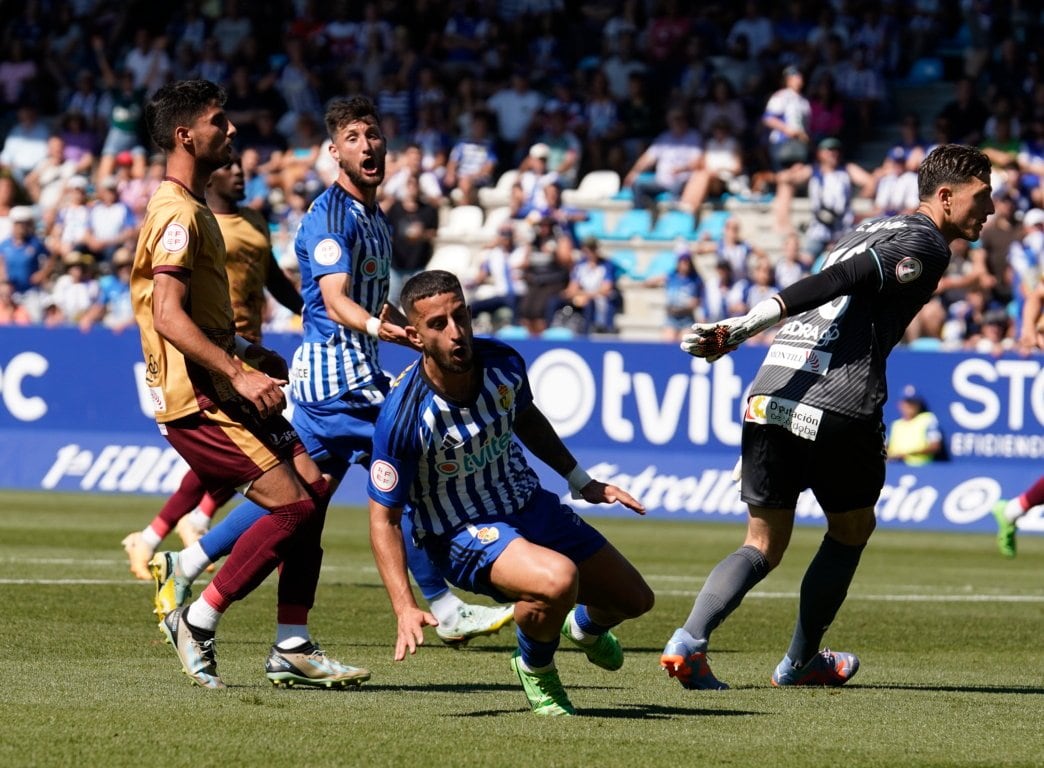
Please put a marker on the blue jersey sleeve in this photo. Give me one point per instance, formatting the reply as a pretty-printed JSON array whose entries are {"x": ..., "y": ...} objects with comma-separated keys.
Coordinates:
[
  {"x": 396, "y": 452},
  {"x": 328, "y": 252}
]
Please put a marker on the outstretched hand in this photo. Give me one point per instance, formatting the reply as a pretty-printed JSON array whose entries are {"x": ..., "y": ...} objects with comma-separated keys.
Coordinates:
[
  {"x": 596, "y": 492},
  {"x": 410, "y": 632}
]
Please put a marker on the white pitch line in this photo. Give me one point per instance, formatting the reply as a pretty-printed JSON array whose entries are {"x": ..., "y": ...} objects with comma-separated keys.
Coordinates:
[{"x": 883, "y": 598}]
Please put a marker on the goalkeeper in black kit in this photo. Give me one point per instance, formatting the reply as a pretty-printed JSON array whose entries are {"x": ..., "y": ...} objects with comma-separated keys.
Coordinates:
[{"x": 814, "y": 418}]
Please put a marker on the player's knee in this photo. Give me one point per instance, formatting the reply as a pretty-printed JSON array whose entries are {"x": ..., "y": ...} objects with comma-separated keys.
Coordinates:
[{"x": 559, "y": 583}]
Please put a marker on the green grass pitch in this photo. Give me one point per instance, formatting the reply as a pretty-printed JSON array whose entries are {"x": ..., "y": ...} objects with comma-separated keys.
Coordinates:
[{"x": 950, "y": 636}]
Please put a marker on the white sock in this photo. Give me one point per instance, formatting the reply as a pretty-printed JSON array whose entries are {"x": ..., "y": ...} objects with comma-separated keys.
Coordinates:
[
  {"x": 151, "y": 538},
  {"x": 202, "y": 615},
  {"x": 192, "y": 561},
  {"x": 445, "y": 609},
  {"x": 578, "y": 634},
  {"x": 199, "y": 519},
  {"x": 1013, "y": 510},
  {"x": 291, "y": 636},
  {"x": 535, "y": 670}
]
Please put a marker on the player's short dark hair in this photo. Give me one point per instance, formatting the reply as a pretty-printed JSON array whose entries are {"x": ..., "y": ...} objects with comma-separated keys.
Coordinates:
[
  {"x": 179, "y": 103},
  {"x": 424, "y": 285},
  {"x": 341, "y": 111},
  {"x": 951, "y": 164}
]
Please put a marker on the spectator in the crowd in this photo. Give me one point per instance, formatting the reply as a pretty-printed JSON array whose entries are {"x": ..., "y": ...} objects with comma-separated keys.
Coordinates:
[
  {"x": 414, "y": 225},
  {"x": 792, "y": 264},
  {"x": 990, "y": 252},
  {"x": 591, "y": 291},
  {"x": 723, "y": 105},
  {"x": 79, "y": 140},
  {"x": 515, "y": 107},
  {"x": 714, "y": 304},
  {"x": 756, "y": 27},
  {"x": 472, "y": 163},
  {"x": 124, "y": 109},
  {"x": 76, "y": 289},
  {"x": 910, "y": 144},
  {"x": 69, "y": 230},
  {"x": 638, "y": 122},
  {"x": 787, "y": 114},
  {"x": 110, "y": 223},
  {"x": 112, "y": 307},
  {"x": 534, "y": 177},
  {"x": 966, "y": 113},
  {"x": 915, "y": 438},
  {"x": 499, "y": 283},
  {"x": 11, "y": 310},
  {"x": 17, "y": 70},
  {"x": 863, "y": 89},
  {"x": 26, "y": 261},
  {"x": 732, "y": 248},
  {"x": 411, "y": 166},
  {"x": 991, "y": 333},
  {"x": 673, "y": 156},
  {"x": 683, "y": 289},
  {"x": 1031, "y": 159},
  {"x": 895, "y": 188},
  {"x": 622, "y": 65},
  {"x": 546, "y": 273},
  {"x": 719, "y": 165},
  {"x": 564, "y": 148},
  {"x": 564, "y": 216},
  {"x": 148, "y": 61},
  {"x": 46, "y": 182},
  {"x": 135, "y": 193},
  {"x": 752, "y": 290},
  {"x": 827, "y": 109},
  {"x": 602, "y": 116},
  {"x": 25, "y": 145},
  {"x": 832, "y": 185},
  {"x": 90, "y": 102}
]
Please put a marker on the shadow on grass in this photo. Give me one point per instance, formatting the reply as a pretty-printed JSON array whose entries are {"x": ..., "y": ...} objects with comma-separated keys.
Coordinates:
[
  {"x": 629, "y": 712},
  {"x": 1008, "y": 689}
]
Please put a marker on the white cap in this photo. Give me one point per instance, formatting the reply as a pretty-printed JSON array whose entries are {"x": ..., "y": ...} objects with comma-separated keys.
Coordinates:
[
  {"x": 1034, "y": 217},
  {"x": 77, "y": 182},
  {"x": 540, "y": 150},
  {"x": 21, "y": 213}
]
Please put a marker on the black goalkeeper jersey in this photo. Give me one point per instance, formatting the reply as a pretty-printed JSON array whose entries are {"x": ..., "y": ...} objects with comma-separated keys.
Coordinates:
[{"x": 843, "y": 322}]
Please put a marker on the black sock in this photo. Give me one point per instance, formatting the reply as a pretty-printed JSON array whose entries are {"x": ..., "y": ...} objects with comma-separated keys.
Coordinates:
[
  {"x": 724, "y": 589},
  {"x": 823, "y": 590}
]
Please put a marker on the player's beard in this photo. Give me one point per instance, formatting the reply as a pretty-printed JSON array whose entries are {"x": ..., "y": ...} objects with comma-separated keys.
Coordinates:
[{"x": 361, "y": 181}]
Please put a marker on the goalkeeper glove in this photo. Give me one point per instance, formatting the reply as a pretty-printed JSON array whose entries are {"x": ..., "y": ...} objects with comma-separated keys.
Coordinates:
[{"x": 714, "y": 340}]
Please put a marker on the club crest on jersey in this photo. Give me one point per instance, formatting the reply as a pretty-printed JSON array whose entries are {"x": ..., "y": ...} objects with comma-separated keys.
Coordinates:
[
  {"x": 326, "y": 252},
  {"x": 487, "y": 535},
  {"x": 507, "y": 397},
  {"x": 175, "y": 237},
  {"x": 908, "y": 270},
  {"x": 383, "y": 475}
]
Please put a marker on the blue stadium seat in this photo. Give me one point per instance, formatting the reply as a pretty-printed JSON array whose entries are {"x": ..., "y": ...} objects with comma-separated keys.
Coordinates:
[
  {"x": 593, "y": 226},
  {"x": 671, "y": 225},
  {"x": 557, "y": 333},
  {"x": 625, "y": 261},
  {"x": 512, "y": 333},
  {"x": 712, "y": 224},
  {"x": 633, "y": 223},
  {"x": 661, "y": 265},
  {"x": 924, "y": 71}
]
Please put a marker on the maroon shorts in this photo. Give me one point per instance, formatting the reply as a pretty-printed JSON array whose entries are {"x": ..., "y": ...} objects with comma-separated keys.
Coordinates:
[{"x": 226, "y": 450}]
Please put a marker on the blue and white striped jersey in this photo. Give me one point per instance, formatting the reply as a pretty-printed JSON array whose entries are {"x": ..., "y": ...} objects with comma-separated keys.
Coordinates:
[
  {"x": 339, "y": 234},
  {"x": 454, "y": 463}
]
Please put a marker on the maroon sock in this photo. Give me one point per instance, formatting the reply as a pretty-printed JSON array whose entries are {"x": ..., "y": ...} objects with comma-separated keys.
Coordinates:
[
  {"x": 181, "y": 502},
  {"x": 264, "y": 545},
  {"x": 299, "y": 574},
  {"x": 1035, "y": 495}
]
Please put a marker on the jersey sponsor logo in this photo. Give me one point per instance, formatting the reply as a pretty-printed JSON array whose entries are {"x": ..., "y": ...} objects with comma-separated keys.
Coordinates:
[
  {"x": 908, "y": 270},
  {"x": 447, "y": 468},
  {"x": 369, "y": 267},
  {"x": 327, "y": 252},
  {"x": 506, "y": 397},
  {"x": 175, "y": 237},
  {"x": 797, "y": 359},
  {"x": 810, "y": 331},
  {"x": 384, "y": 476},
  {"x": 795, "y": 417}
]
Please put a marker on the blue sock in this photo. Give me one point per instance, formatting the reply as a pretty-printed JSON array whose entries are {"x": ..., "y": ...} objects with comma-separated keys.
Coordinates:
[
  {"x": 428, "y": 577},
  {"x": 220, "y": 539},
  {"x": 536, "y": 654},
  {"x": 587, "y": 626}
]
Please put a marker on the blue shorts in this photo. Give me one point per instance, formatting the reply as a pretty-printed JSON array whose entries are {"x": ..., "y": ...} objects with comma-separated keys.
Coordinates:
[
  {"x": 466, "y": 556},
  {"x": 336, "y": 433}
]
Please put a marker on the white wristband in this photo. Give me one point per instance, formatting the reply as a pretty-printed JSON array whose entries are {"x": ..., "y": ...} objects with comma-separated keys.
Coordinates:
[
  {"x": 577, "y": 479},
  {"x": 373, "y": 327}
]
